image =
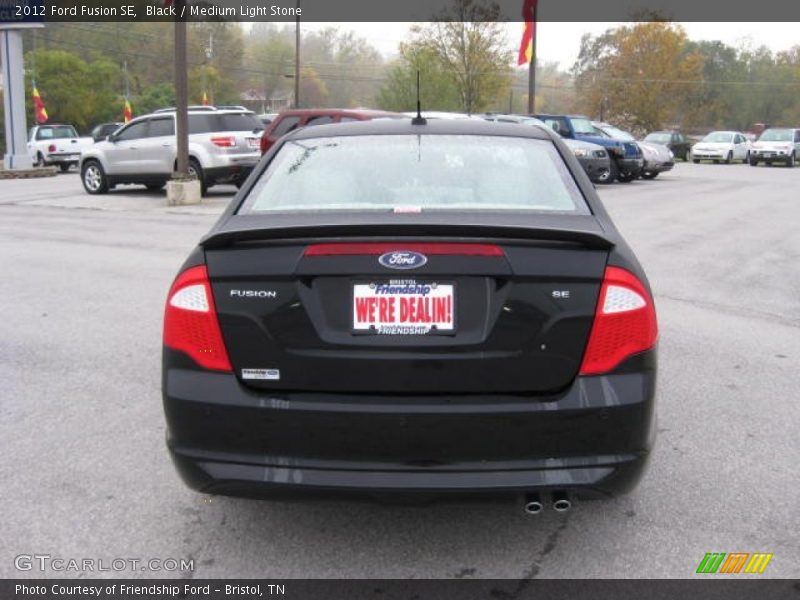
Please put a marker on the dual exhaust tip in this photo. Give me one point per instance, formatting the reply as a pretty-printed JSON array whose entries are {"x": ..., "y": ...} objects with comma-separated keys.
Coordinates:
[{"x": 560, "y": 502}]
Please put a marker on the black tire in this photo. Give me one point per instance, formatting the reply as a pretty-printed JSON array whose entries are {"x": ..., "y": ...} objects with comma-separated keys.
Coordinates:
[
  {"x": 155, "y": 187},
  {"x": 604, "y": 177},
  {"x": 64, "y": 167},
  {"x": 626, "y": 177},
  {"x": 39, "y": 160},
  {"x": 729, "y": 158},
  {"x": 197, "y": 171},
  {"x": 613, "y": 170},
  {"x": 753, "y": 161},
  {"x": 696, "y": 161},
  {"x": 790, "y": 161},
  {"x": 94, "y": 177},
  {"x": 649, "y": 175}
]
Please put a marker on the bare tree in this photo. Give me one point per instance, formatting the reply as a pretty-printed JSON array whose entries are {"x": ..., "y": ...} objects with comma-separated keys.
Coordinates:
[{"x": 471, "y": 45}]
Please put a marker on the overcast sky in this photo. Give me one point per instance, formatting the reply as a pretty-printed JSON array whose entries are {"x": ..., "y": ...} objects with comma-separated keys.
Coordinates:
[{"x": 561, "y": 41}]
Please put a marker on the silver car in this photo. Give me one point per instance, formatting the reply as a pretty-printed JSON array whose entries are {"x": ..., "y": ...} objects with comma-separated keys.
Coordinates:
[
  {"x": 223, "y": 148},
  {"x": 776, "y": 145}
]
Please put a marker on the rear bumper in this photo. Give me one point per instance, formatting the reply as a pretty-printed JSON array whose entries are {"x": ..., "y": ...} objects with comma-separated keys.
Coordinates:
[
  {"x": 593, "y": 439},
  {"x": 776, "y": 155},
  {"x": 55, "y": 158},
  {"x": 657, "y": 167},
  {"x": 222, "y": 168},
  {"x": 595, "y": 167},
  {"x": 630, "y": 165}
]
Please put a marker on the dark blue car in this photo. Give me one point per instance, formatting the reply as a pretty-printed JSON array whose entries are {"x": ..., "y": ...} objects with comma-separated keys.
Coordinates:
[{"x": 626, "y": 157}]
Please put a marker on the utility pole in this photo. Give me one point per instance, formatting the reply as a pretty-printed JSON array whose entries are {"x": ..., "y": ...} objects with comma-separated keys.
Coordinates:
[
  {"x": 532, "y": 64},
  {"x": 181, "y": 92},
  {"x": 297, "y": 57}
]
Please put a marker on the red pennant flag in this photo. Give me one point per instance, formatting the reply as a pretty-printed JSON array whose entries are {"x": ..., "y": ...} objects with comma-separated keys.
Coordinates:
[
  {"x": 38, "y": 107},
  {"x": 127, "y": 111},
  {"x": 526, "y": 43}
]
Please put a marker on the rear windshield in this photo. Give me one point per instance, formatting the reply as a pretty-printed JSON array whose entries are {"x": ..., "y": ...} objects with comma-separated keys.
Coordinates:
[
  {"x": 658, "y": 138},
  {"x": 58, "y": 132},
  {"x": 718, "y": 137},
  {"x": 210, "y": 123},
  {"x": 776, "y": 135},
  {"x": 425, "y": 172},
  {"x": 617, "y": 134}
]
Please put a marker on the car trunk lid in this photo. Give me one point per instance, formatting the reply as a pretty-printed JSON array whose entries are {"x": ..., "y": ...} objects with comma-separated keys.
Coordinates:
[{"x": 481, "y": 314}]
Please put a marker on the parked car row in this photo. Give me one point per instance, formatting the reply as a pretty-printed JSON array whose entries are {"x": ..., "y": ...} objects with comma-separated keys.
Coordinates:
[
  {"x": 225, "y": 143},
  {"x": 775, "y": 145}
]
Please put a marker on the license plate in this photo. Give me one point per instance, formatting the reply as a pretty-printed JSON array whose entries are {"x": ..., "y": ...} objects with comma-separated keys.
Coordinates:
[
  {"x": 254, "y": 143},
  {"x": 404, "y": 307}
]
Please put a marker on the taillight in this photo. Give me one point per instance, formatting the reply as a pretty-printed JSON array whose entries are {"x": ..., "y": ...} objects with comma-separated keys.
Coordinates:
[
  {"x": 624, "y": 322},
  {"x": 190, "y": 321},
  {"x": 51, "y": 148},
  {"x": 227, "y": 141},
  {"x": 264, "y": 143}
]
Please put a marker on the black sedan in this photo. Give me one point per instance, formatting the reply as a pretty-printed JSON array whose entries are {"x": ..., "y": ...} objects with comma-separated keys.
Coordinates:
[{"x": 395, "y": 308}]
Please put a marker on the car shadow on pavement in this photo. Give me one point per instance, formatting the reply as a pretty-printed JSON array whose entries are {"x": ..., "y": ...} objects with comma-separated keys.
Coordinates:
[{"x": 490, "y": 538}]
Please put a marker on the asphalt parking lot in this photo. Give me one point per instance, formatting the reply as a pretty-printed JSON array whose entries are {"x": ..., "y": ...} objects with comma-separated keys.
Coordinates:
[{"x": 85, "y": 473}]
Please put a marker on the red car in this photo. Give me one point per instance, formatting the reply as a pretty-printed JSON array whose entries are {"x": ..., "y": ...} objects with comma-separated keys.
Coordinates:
[{"x": 290, "y": 120}]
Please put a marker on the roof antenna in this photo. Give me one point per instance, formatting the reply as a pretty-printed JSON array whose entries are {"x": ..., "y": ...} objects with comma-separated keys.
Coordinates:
[{"x": 419, "y": 119}]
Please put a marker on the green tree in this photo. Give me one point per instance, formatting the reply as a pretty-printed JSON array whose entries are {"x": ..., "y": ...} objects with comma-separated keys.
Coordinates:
[
  {"x": 269, "y": 57},
  {"x": 157, "y": 96},
  {"x": 313, "y": 91},
  {"x": 73, "y": 90},
  {"x": 437, "y": 88}
]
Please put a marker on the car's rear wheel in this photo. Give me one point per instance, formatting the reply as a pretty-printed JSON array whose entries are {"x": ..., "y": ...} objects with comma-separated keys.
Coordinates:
[
  {"x": 94, "y": 177},
  {"x": 64, "y": 167}
]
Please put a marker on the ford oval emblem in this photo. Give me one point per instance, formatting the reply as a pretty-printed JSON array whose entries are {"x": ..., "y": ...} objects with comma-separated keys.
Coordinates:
[{"x": 403, "y": 259}]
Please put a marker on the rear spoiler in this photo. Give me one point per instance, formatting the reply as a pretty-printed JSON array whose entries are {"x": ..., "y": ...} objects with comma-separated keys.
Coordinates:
[{"x": 238, "y": 230}]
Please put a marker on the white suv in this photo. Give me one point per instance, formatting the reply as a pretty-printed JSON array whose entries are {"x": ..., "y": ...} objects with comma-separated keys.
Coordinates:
[{"x": 223, "y": 148}]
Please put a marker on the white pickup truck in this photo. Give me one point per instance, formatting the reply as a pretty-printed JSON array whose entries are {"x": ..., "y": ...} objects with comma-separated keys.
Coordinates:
[{"x": 56, "y": 145}]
